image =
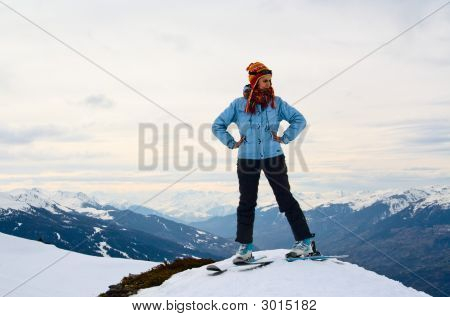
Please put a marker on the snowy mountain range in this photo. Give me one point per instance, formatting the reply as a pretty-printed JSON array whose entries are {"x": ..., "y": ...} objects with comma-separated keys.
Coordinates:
[
  {"x": 76, "y": 274},
  {"x": 404, "y": 235},
  {"x": 396, "y": 199},
  {"x": 188, "y": 206},
  {"x": 74, "y": 221}
]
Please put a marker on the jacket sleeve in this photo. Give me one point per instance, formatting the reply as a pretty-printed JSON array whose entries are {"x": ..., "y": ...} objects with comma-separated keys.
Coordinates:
[
  {"x": 297, "y": 121},
  {"x": 220, "y": 125}
]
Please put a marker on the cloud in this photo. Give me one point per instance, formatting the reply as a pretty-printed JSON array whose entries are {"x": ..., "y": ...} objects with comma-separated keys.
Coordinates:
[
  {"x": 418, "y": 131},
  {"x": 422, "y": 132},
  {"x": 420, "y": 168},
  {"x": 98, "y": 101},
  {"x": 5, "y": 79},
  {"x": 178, "y": 41},
  {"x": 14, "y": 135},
  {"x": 442, "y": 103},
  {"x": 38, "y": 156}
]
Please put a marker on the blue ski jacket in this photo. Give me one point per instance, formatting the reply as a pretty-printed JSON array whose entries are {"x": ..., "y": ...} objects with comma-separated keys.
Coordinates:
[{"x": 257, "y": 128}]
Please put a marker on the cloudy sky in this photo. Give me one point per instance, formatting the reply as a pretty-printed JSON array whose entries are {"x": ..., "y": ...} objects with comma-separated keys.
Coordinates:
[{"x": 78, "y": 79}]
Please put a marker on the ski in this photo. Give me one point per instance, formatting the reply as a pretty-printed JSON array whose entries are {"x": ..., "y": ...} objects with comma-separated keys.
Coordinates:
[
  {"x": 250, "y": 261},
  {"x": 253, "y": 261},
  {"x": 315, "y": 257},
  {"x": 250, "y": 265},
  {"x": 241, "y": 268},
  {"x": 258, "y": 265}
]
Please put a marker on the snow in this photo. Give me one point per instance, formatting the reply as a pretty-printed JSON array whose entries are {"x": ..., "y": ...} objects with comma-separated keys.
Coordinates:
[
  {"x": 73, "y": 274},
  {"x": 296, "y": 279},
  {"x": 35, "y": 197},
  {"x": 398, "y": 199},
  {"x": 7, "y": 202},
  {"x": 21, "y": 199},
  {"x": 162, "y": 224},
  {"x": 438, "y": 195},
  {"x": 268, "y": 207},
  {"x": 198, "y": 205},
  {"x": 103, "y": 248},
  {"x": 95, "y": 213},
  {"x": 193, "y": 205}
]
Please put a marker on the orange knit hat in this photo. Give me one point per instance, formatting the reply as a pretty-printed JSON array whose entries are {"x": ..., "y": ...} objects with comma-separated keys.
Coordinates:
[{"x": 256, "y": 71}]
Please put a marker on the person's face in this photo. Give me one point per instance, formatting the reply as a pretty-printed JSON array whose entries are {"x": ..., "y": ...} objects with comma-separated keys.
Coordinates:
[{"x": 265, "y": 82}]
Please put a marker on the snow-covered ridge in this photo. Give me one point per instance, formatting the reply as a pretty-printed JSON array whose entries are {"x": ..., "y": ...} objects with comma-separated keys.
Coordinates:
[
  {"x": 8, "y": 202},
  {"x": 22, "y": 199},
  {"x": 296, "y": 279},
  {"x": 398, "y": 200}
]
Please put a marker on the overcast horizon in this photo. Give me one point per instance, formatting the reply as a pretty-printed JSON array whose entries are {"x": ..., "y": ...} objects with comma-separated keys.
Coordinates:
[{"x": 66, "y": 124}]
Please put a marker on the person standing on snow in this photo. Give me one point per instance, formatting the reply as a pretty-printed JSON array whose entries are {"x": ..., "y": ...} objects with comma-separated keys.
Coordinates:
[{"x": 258, "y": 117}]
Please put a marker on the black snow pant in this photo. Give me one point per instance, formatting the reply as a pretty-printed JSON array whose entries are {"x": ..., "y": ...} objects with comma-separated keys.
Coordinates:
[{"x": 275, "y": 169}]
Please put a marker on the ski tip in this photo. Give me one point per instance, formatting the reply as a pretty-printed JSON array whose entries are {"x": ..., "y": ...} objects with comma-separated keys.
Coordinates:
[
  {"x": 216, "y": 273},
  {"x": 213, "y": 267}
]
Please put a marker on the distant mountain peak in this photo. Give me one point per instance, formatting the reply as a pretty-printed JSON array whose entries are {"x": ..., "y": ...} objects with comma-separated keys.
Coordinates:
[
  {"x": 55, "y": 202},
  {"x": 396, "y": 199}
]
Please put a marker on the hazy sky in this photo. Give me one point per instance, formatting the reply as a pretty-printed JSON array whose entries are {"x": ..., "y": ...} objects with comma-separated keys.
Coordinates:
[{"x": 67, "y": 124}]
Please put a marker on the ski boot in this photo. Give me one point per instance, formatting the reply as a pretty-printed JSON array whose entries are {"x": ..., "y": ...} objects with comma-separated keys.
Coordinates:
[
  {"x": 244, "y": 254},
  {"x": 303, "y": 248}
]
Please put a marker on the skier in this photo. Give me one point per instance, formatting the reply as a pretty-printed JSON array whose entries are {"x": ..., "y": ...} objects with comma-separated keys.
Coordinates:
[{"x": 258, "y": 115}]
